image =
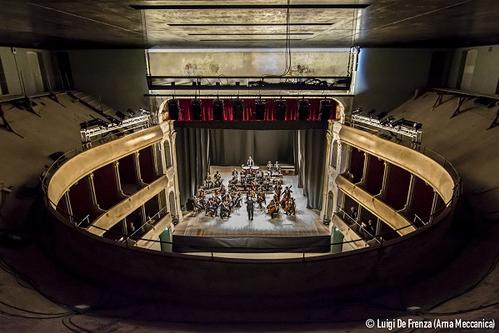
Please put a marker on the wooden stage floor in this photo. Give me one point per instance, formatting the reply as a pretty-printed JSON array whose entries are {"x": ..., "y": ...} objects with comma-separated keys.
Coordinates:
[{"x": 304, "y": 224}]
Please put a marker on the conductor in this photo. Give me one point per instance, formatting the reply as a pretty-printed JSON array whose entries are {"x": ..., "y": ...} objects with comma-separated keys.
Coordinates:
[
  {"x": 250, "y": 207},
  {"x": 250, "y": 162}
]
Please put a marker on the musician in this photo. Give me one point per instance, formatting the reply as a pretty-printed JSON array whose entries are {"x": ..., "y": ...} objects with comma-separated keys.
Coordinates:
[
  {"x": 217, "y": 176},
  {"x": 277, "y": 167},
  {"x": 287, "y": 192},
  {"x": 261, "y": 198},
  {"x": 250, "y": 162},
  {"x": 269, "y": 166},
  {"x": 250, "y": 207}
]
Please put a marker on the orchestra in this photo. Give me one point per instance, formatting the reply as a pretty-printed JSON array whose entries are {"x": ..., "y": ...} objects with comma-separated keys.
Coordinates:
[{"x": 215, "y": 199}]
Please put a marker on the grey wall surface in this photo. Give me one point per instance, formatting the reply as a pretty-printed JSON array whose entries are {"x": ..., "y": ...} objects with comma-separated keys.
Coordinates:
[
  {"x": 486, "y": 71},
  {"x": 387, "y": 77},
  {"x": 248, "y": 62},
  {"x": 118, "y": 77},
  {"x": 20, "y": 78}
]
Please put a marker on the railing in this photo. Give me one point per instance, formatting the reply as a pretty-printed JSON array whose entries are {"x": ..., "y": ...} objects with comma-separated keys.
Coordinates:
[
  {"x": 435, "y": 156},
  {"x": 153, "y": 220}
]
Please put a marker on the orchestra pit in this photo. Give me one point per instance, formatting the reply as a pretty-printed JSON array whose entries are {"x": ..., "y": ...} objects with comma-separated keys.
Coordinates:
[{"x": 240, "y": 166}]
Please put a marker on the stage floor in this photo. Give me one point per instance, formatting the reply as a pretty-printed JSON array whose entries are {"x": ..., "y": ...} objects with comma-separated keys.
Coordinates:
[{"x": 305, "y": 223}]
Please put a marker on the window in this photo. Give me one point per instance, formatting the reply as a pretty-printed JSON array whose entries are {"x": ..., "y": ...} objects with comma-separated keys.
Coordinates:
[{"x": 4, "y": 89}]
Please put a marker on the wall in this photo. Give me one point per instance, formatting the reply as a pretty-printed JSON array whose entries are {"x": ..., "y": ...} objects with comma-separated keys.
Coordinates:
[
  {"x": 486, "y": 73},
  {"x": 22, "y": 74},
  {"x": 329, "y": 62},
  {"x": 118, "y": 77},
  {"x": 387, "y": 77}
]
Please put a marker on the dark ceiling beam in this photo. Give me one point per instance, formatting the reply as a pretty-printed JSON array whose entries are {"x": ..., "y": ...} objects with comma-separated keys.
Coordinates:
[
  {"x": 252, "y": 34},
  {"x": 249, "y": 40},
  {"x": 244, "y": 24},
  {"x": 247, "y": 6}
]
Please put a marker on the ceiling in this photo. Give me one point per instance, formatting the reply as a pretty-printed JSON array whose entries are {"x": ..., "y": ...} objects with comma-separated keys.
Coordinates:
[{"x": 257, "y": 23}]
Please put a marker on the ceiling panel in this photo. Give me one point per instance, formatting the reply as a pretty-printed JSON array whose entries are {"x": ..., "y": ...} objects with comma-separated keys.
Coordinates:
[{"x": 114, "y": 23}]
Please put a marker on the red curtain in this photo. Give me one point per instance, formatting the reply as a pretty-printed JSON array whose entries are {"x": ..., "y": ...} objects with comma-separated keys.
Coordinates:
[
  {"x": 228, "y": 113},
  {"x": 291, "y": 109},
  {"x": 249, "y": 109},
  {"x": 185, "y": 109},
  {"x": 314, "y": 109},
  {"x": 206, "y": 109}
]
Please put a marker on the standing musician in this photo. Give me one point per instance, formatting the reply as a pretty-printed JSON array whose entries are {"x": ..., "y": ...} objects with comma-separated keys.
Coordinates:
[
  {"x": 250, "y": 207},
  {"x": 250, "y": 162}
]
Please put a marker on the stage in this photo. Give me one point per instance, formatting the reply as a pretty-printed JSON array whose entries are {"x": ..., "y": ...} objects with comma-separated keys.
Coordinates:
[{"x": 302, "y": 232}]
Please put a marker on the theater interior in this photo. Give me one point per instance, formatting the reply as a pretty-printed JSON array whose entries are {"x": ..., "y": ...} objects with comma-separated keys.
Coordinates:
[{"x": 240, "y": 166}]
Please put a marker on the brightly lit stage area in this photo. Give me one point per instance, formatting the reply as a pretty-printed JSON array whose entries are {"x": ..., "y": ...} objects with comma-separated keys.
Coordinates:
[
  {"x": 303, "y": 231},
  {"x": 300, "y": 152}
]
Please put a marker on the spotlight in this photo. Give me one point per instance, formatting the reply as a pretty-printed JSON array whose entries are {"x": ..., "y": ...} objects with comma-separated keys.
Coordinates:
[
  {"x": 260, "y": 109},
  {"x": 173, "y": 109},
  {"x": 218, "y": 109},
  {"x": 280, "y": 109},
  {"x": 303, "y": 109},
  {"x": 237, "y": 107},
  {"x": 196, "y": 109}
]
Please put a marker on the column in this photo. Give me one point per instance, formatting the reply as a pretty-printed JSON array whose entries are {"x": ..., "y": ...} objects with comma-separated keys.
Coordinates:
[
  {"x": 155, "y": 147},
  {"x": 124, "y": 227},
  {"x": 173, "y": 151},
  {"x": 93, "y": 194},
  {"x": 364, "y": 169},
  {"x": 138, "y": 176},
  {"x": 116, "y": 166},
  {"x": 386, "y": 172},
  {"x": 325, "y": 181},
  {"x": 378, "y": 227},
  {"x": 410, "y": 193},
  {"x": 433, "y": 207},
  {"x": 69, "y": 209}
]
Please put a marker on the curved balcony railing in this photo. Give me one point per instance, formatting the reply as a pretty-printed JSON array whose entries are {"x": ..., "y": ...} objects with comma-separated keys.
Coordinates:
[{"x": 74, "y": 165}]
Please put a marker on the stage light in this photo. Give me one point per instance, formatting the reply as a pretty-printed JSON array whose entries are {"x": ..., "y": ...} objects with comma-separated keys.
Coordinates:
[
  {"x": 325, "y": 110},
  {"x": 218, "y": 109},
  {"x": 196, "y": 110},
  {"x": 173, "y": 109},
  {"x": 260, "y": 109},
  {"x": 237, "y": 109},
  {"x": 303, "y": 109},
  {"x": 280, "y": 109}
]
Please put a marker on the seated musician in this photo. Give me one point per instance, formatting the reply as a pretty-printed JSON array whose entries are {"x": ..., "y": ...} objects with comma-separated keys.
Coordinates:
[
  {"x": 269, "y": 165},
  {"x": 277, "y": 167},
  {"x": 217, "y": 176},
  {"x": 235, "y": 173}
]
